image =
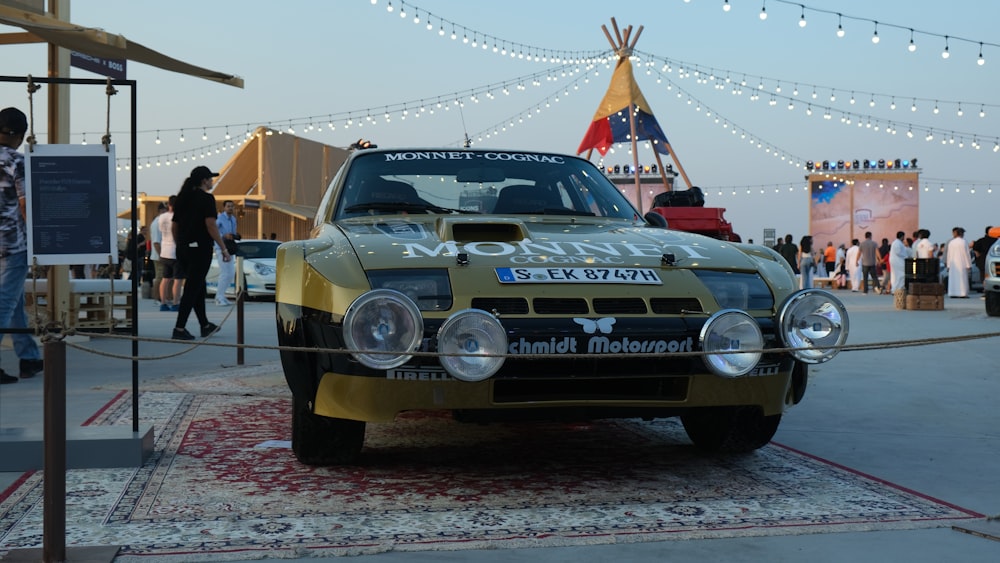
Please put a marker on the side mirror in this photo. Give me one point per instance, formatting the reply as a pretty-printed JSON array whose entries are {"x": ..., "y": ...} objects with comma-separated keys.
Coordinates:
[{"x": 655, "y": 220}]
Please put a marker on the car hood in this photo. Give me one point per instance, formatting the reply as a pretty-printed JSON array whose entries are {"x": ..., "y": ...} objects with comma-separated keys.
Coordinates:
[{"x": 496, "y": 242}]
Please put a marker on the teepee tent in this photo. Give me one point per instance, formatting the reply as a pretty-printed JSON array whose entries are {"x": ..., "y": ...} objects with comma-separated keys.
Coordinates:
[{"x": 625, "y": 116}]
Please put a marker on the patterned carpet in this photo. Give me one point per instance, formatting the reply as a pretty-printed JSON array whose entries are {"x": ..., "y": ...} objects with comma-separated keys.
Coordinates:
[{"x": 223, "y": 484}]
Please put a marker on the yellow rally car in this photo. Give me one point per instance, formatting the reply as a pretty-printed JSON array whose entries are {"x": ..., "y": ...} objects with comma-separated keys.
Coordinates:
[{"x": 515, "y": 284}]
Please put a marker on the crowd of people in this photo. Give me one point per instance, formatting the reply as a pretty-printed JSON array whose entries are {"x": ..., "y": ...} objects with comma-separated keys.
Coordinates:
[{"x": 865, "y": 265}]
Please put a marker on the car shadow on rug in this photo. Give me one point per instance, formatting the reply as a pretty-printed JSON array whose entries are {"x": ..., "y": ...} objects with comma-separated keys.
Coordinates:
[{"x": 223, "y": 483}]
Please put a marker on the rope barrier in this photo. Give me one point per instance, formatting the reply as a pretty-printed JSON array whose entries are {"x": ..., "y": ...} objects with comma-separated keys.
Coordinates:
[{"x": 861, "y": 347}]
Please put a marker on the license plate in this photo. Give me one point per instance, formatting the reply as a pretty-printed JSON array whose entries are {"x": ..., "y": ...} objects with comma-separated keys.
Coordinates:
[{"x": 643, "y": 276}]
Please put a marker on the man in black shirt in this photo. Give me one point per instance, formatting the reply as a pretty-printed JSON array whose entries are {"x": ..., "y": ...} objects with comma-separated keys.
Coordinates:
[{"x": 790, "y": 252}]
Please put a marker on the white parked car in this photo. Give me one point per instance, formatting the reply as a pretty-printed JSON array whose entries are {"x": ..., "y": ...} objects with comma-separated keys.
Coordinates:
[{"x": 258, "y": 269}]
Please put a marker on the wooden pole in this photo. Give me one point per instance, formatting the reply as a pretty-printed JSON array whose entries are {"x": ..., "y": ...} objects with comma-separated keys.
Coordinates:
[
  {"x": 607, "y": 34},
  {"x": 663, "y": 173},
  {"x": 635, "y": 157},
  {"x": 618, "y": 34},
  {"x": 677, "y": 163},
  {"x": 636, "y": 38}
]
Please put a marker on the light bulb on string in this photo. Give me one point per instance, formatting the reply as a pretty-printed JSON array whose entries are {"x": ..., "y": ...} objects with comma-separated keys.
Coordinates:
[
  {"x": 875, "y": 38},
  {"x": 802, "y": 18},
  {"x": 912, "y": 46},
  {"x": 980, "y": 61},
  {"x": 726, "y": 6},
  {"x": 157, "y": 137},
  {"x": 945, "y": 54},
  {"x": 840, "y": 27},
  {"x": 763, "y": 11}
]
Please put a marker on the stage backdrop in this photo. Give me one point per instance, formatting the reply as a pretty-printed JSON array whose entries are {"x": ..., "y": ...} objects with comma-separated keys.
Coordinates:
[{"x": 845, "y": 207}]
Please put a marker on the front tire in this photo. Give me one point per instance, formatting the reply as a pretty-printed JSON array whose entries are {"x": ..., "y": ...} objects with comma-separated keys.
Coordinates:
[
  {"x": 993, "y": 303},
  {"x": 730, "y": 429},
  {"x": 320, "y": 440}
]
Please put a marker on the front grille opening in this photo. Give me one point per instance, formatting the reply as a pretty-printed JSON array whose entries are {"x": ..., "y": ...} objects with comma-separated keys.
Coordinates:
[
  {"x": 502, "y": 305},
  {"x": 619, "y": 306},
  {"x": 560, "y": 306},
  {"x": 674, "y": 305},
  {"x": 614, "y": 389}
]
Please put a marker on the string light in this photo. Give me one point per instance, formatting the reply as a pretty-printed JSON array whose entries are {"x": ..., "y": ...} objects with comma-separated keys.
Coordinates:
[
  {"x": 726, "y": 6},
  {"x": 802, "y": 19},
  {"x": 763, "y": 11},
  {"x": 761, "y": 82},
  {"x": 945, "y": 54},
  {"x": 913, "y": 46},
  {"x": 875, "y": 38},
  {"x": 840, "y": 27}
]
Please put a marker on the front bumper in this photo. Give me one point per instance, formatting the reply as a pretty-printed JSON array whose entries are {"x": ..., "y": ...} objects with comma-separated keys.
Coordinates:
[{"x": 644, "y": 386}]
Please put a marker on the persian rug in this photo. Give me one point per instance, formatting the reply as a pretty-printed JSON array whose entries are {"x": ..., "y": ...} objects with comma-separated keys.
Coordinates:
[{"x": 223, "y": 484}]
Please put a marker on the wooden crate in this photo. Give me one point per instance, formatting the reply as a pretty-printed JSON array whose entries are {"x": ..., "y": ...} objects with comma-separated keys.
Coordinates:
[
  {"x": 917, "y": 288},
  {"x": 93, "y": 304},
  {"x": 925, "y": 302}
]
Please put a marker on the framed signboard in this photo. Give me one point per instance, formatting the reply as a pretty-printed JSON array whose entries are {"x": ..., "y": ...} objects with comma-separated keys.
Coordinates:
[{"x": 70, "y": 193}]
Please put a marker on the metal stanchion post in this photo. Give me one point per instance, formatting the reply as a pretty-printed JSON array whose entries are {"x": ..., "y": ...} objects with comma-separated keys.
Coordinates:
[
  {"x": 240, "y": 296},
  {"x": 54, "y": 473}
]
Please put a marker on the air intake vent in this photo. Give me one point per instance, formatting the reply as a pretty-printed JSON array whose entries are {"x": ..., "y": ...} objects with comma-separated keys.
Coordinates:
[
  {"x": 674, "y": 305},
  {"x": 502, "y": 305},
  {"x": 619, "y": 306},
  {"x": 555, "y": 306}
]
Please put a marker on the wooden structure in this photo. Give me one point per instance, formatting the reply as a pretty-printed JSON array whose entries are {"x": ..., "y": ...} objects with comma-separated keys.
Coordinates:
[{"x": 275, "y": 180}]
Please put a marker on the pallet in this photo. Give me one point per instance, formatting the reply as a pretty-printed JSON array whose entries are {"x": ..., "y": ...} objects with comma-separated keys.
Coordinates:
[{"x": 94, "y": 305}]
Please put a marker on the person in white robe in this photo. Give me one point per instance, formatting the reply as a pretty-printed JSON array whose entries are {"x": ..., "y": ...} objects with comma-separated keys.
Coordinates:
[
  {"x": 959, "y": 264},
  {"x": 898, "y": 253},
  {"x": 853, "y": 259}
]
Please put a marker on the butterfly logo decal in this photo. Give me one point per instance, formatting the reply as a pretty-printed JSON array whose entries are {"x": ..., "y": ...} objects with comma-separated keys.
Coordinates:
[{"x": 602, "y": 325}]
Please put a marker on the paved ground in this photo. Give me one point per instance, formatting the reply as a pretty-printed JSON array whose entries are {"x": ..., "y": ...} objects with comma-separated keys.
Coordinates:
[{"x": 923, "y": 417}]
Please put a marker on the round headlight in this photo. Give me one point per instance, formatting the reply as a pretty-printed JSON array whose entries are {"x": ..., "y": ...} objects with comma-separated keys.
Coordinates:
[
  {"x": 813, "y": 317},
  {"x": 724, "y": 336},
  {"x": 382, "y": 319},
  {"x": 474, "y": 334}
]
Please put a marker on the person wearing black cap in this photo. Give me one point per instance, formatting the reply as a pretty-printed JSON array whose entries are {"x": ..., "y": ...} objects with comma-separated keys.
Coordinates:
[
  {"x": 14, "y": 243},
  {"x": 195, "y": 231}
]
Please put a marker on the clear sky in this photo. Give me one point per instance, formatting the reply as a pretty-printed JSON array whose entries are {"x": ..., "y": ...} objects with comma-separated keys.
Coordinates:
[{"x": 312, "y": 62}]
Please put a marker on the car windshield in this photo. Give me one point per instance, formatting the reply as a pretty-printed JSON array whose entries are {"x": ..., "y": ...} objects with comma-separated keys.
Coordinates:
[
  {"x": 478, "y": 182},
  {"x": 258, "y": 248}
]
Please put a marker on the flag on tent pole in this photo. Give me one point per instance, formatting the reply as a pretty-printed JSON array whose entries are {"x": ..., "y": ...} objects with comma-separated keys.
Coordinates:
[{"x": 611, "y": 122}]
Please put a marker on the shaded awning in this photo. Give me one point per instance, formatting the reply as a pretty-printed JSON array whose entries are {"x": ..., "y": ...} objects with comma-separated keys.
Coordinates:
[
  {"x": 306, "y": 213},
  {"x": 100, "y": 43}
]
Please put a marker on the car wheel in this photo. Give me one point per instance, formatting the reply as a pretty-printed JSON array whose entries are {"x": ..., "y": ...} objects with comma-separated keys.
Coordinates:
[
  {"x": 320, "y": 440},
  {"x": 993, "y": 303},
  {"x": 730, "y": 429}
]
